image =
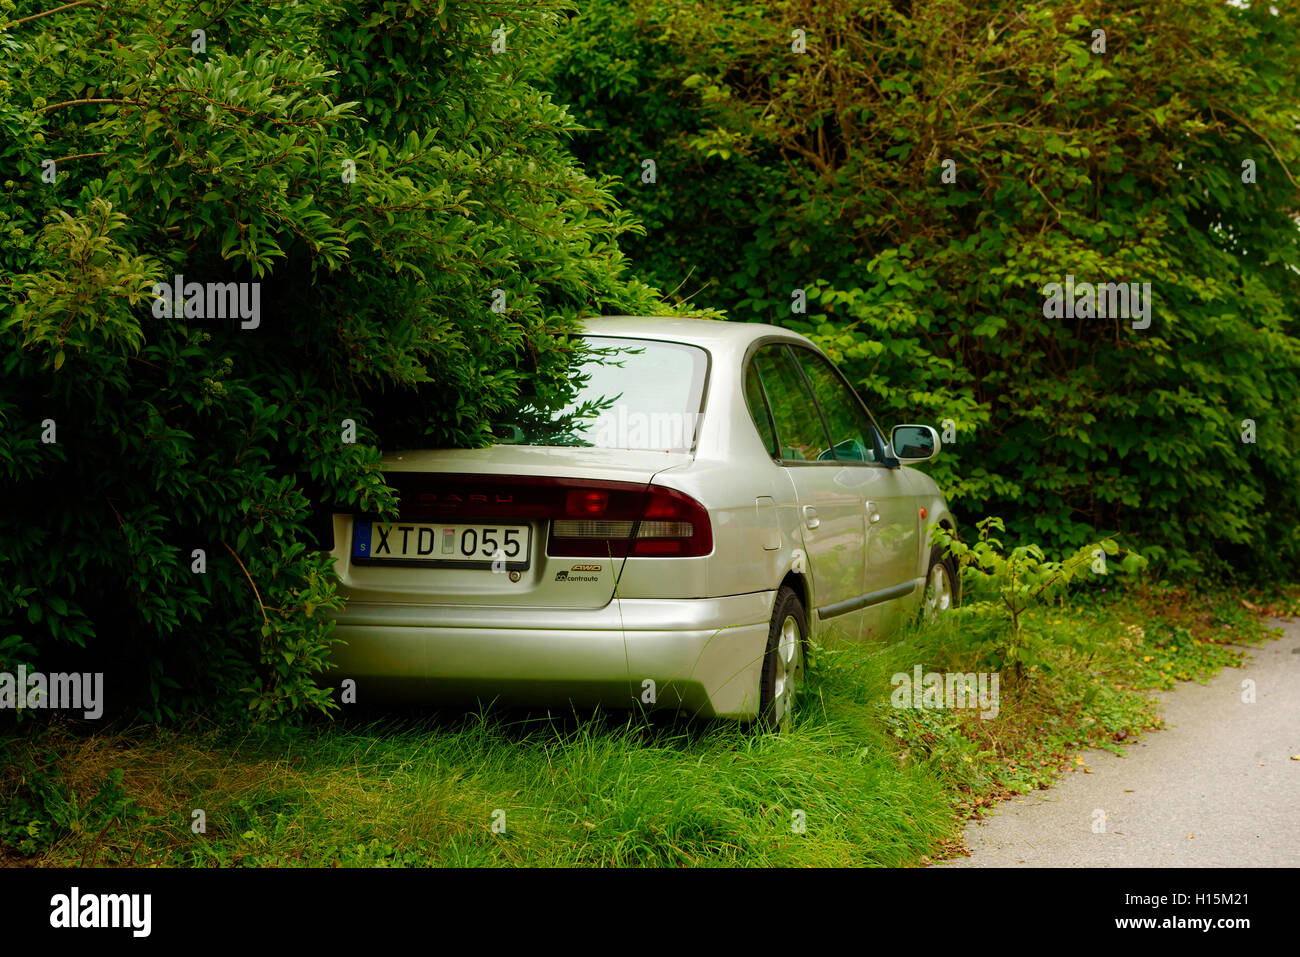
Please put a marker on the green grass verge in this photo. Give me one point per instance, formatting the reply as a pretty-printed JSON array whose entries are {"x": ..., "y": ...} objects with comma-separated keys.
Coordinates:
[{"x": 857, "y": 782}]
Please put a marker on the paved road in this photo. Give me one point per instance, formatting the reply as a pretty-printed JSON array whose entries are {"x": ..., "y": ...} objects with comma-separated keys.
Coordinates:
[{"x": 1216, "y": 788}]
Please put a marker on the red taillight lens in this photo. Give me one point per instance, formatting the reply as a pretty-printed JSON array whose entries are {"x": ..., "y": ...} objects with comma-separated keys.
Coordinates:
[
  {"x": 648, "y": 522},
  {"x": 673, "y": 524},
  {"x": 588, "y": 519},
  {"x": 586, "y": 502}
]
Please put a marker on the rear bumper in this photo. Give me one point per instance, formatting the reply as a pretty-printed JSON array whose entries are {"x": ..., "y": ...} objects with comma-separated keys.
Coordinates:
[{"x": 703, "y": 655}]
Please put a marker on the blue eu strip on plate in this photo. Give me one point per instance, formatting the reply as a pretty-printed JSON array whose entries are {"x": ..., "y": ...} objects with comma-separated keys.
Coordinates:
[{"x": 361, "y": 540}]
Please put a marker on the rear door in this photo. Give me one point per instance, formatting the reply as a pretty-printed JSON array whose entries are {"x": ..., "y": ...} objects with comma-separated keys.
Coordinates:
[{"x": 830, "y": 504}]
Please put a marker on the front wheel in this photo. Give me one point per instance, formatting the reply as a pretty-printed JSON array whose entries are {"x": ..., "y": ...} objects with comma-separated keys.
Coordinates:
[
  {"x": 783, "y": 661},
  {"x": 940, "y": 586}
]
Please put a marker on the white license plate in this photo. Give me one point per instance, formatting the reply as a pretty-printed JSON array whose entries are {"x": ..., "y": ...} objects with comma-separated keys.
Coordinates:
[{"x": 502, "y": 547}]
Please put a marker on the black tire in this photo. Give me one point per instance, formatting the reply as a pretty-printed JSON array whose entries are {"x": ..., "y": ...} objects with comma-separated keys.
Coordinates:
[
  {"x": 931, "y": 608},
  {"x": 784, "y": 661}
]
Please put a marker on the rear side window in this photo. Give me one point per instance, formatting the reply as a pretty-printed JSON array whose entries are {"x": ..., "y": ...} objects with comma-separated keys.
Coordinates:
[{"x": 799, "y": 427}]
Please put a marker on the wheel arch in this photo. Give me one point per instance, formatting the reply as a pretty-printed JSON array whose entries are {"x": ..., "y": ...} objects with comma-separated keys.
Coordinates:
[
  {"x": 801, "y": 584},
  {"x": 946, "y": 521}
]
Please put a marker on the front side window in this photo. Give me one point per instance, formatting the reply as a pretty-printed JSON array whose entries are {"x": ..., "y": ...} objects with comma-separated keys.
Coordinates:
[
  {"x": 853, "y": 435},
  {"x": 757, "y": 403}
]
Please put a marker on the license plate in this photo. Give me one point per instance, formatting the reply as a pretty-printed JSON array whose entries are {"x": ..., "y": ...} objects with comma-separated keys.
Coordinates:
[{"x": 499, "y": 547}]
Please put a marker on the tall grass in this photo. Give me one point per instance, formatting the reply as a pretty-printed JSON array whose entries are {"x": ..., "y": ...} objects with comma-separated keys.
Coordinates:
[{"x": 854, "y": 783}]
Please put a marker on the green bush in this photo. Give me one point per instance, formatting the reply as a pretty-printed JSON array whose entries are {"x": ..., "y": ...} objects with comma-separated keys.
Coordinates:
[
  {"x": 999, "y": 586},
  {"x": 824, "y": 171},
  {"x": 380, "y": 170}
]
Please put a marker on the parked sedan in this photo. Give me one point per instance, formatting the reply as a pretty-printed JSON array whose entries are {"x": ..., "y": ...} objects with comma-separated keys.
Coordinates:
[{"x": 714, "y": 496}]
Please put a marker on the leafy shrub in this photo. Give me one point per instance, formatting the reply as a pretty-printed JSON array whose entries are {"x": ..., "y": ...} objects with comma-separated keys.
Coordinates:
[
  {"x": 1001, "y": 586},
  {"x": 824, "y": 171},
  {"x": 381, "y": 171}
]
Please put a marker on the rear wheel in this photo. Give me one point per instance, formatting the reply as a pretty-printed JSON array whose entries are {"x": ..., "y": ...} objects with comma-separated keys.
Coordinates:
[
  {"x": 940, "y": 585},
  {"x": 783, "y": 661}
]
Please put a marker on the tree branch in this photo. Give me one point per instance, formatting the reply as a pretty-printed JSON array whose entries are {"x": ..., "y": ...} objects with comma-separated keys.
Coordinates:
[
  {"x": 256, "y": 593},
  {"x": 91, "y": 99},
  {"x": 66, "y": 6}
]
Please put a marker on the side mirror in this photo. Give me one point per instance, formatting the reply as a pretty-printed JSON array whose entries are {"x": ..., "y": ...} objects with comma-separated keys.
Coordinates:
[{"x": 914, "y": 443}]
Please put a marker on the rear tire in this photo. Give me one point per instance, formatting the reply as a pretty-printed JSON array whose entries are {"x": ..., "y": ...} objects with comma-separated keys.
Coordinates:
[{"x": 783, "y": 661}]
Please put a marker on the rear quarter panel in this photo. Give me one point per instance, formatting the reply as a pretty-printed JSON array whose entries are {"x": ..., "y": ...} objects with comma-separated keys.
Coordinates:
[{"x": 756, "y": 529}]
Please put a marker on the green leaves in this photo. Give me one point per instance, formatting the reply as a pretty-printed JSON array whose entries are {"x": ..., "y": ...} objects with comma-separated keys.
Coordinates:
[
  {"x": 1016, "y": 581},
  {"x": 378, "y": 172},
  {"x": 1123, "y": 166}
]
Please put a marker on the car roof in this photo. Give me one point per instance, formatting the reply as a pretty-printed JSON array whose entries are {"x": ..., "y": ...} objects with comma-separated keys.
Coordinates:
[{"x": 712, "y": 334}]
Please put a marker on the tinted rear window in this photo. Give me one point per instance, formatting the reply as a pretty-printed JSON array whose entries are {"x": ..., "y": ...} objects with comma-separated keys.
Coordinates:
[{"x": 633, "y": 394}]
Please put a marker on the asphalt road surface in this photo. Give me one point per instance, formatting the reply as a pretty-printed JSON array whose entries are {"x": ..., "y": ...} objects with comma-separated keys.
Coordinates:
[{"x": 1216, "y": 788}]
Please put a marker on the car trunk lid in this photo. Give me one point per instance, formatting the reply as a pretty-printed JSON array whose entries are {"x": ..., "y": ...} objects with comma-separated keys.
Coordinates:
[{"x": 475, "y": 524}]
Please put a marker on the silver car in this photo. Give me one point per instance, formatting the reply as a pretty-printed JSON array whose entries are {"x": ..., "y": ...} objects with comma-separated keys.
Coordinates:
[{"x": 713, "y": 496}]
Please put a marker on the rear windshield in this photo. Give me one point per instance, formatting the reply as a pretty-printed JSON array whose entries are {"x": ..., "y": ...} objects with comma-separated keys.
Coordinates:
[{"x": 628, "y": 394}]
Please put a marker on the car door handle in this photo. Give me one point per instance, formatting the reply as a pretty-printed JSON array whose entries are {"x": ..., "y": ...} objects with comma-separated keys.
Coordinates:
[
  {"x": 810, "y": 517},
  {"x": 873, "y": 513}
]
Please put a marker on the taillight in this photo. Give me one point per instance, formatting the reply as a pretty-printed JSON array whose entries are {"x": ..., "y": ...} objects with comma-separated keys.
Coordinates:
[
  {"x": 634, "y": 520},
  {"x": 674, "y": 524},
  {"x": 569, "y": 528},
  {"x": 582, "y": 501},
  {"x": 588, "y": 519}
]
